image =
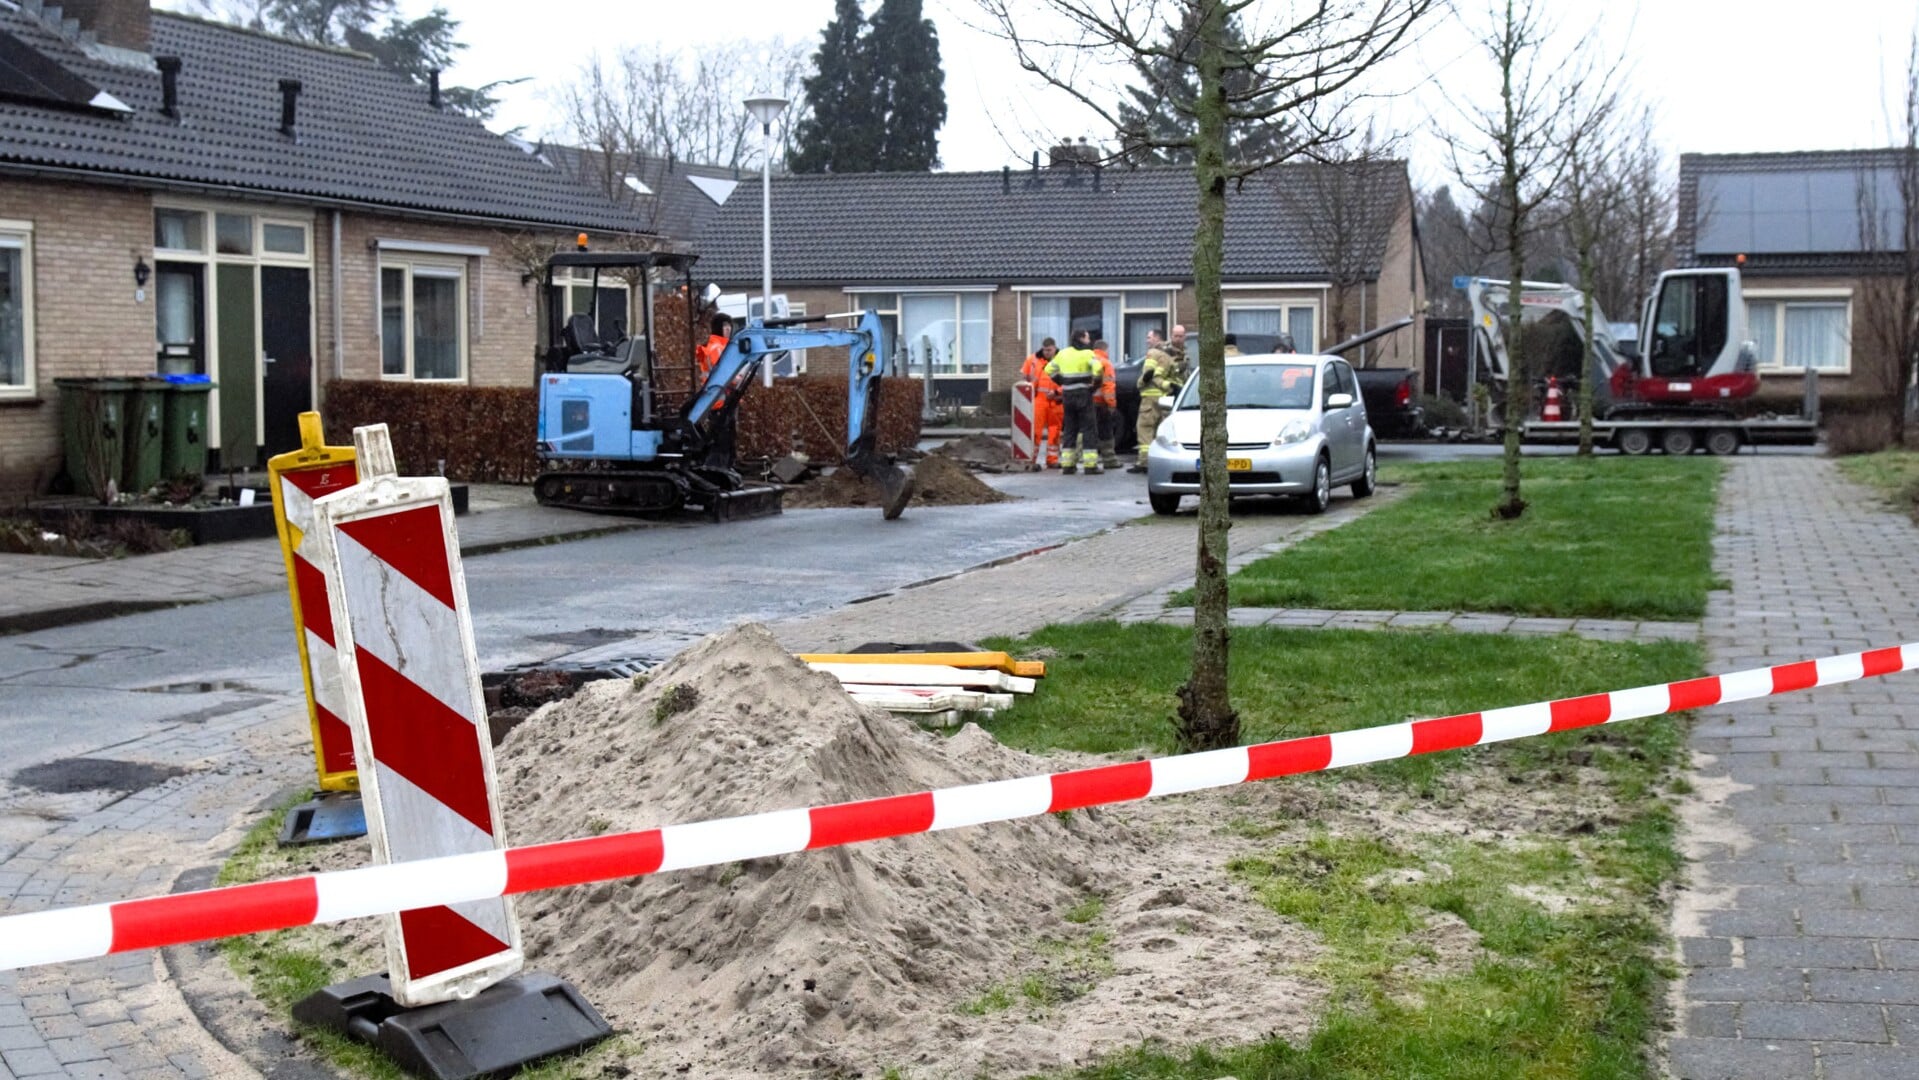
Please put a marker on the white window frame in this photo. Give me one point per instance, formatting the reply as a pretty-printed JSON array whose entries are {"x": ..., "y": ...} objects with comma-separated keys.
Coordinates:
[
  {"x": 567, "y": 278},
  {"x": 1285, "y": 305},
  {"x": 20, "y": 234},
  {"x": 860, "y": 297},
  {"x": 1785, "y": 298},
  {"x": 1116, "y": 348},
  {"x": 445, "y": 269}
]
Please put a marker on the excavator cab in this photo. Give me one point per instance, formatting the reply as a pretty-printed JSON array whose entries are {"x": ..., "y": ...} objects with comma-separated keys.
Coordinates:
[{"x": 1693, "y": 347}]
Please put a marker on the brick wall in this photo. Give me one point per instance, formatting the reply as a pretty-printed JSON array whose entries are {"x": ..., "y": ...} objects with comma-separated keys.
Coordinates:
[
  {"x": 86, "y": 319},
  {"x": 1401, "y": 291}
]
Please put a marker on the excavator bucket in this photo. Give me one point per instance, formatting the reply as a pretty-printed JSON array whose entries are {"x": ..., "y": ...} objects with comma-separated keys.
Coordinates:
[{"x": 896, "y": 484}]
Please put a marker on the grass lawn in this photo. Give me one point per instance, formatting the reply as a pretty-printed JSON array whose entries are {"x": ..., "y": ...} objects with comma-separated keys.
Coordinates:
[
  {"x": 1893, "y": 473},
  {"x": 1569, "y": 992},
  {"x": 1605, "y": 537}
]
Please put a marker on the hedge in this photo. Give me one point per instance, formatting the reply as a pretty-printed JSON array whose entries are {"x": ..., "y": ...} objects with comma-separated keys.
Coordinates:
[{"x": 485, "y": 434}]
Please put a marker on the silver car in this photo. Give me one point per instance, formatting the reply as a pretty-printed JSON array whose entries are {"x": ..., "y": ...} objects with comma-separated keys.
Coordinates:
[{"x": 1295, "y": 425}]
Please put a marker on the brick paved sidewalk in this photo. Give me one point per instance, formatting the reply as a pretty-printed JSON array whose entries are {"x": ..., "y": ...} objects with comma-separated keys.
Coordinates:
[
  {"x": 120, "y": 1016},
  {"x": 1800, "y": 930}
]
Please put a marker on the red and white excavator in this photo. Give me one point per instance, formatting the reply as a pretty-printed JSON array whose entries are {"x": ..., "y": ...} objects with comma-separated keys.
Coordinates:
[{"x": 1674, "y": 388}]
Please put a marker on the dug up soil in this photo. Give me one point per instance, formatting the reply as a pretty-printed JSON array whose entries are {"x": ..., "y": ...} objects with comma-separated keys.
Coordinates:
[
  {"x": 938, "y": 481},
  {"x": 1000, "y": 950}
]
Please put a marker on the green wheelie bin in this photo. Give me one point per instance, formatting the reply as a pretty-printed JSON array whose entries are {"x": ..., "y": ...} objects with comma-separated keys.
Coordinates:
[
  {"x": 184, "y": 451},
  {"x": 146, "y": 426},
  {"x": 93, "y": 431}
]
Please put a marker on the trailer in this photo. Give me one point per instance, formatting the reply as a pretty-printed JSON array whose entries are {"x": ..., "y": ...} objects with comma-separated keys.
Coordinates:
[{"x": 1715, "y": 435}]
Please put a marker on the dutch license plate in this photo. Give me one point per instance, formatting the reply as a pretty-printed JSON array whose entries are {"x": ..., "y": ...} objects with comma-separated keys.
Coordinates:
[{"x": 1239, "y": 464}]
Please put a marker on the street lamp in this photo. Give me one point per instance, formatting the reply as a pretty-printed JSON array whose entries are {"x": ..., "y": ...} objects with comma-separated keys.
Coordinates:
[{"x": 766, "y": 108}]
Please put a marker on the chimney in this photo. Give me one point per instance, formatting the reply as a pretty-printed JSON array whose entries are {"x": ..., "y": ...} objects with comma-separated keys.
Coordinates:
[
  {"x": 124, "y": 24},
  {"x": 433, "y": 88},
  {"x": 1005, "y": 179},
  {"x": 289, "y": 93},
  {"x": 169, "y": 85}
]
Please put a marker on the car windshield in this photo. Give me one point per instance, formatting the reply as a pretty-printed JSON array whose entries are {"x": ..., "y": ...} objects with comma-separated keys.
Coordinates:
[{"x": 1260, "y": 386}]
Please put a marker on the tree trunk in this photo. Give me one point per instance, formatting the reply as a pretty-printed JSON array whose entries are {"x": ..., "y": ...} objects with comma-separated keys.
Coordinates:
[
  {"x": 1586, "y": 367},
  {"x": 1518, "y": 380},
  {"x": 1206, "y": 717}
]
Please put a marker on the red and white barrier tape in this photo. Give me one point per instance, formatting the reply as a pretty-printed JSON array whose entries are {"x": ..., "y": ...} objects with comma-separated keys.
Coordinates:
[{"x": 47, "y": 937}]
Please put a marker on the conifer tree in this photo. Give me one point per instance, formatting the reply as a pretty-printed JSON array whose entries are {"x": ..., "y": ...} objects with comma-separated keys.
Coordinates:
[
  {"x": 1156, "y": 116},
  {"x": 905, "y": 48},
  {"x": 842, "y": 132}
]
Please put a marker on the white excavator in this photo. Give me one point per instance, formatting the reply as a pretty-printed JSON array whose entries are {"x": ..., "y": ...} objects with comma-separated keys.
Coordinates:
[{"x": 1673, "y": 389}]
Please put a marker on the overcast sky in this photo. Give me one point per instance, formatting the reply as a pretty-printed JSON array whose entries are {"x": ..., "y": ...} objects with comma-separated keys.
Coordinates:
[{"x": 1721, "y": 75}]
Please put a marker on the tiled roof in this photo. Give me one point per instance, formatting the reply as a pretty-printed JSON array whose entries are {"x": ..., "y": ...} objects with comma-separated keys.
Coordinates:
[
  {"x": 364, "y": 135},
  {"x": 673, "y": 205},
  {"x": 988, "y": 227}
]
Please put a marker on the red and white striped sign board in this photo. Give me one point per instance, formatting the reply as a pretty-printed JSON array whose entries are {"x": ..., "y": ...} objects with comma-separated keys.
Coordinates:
[
  {"x": 1023, "y": 423},
  {"x": 297, "y": 478},
  {"x": 404, "y": 638}
]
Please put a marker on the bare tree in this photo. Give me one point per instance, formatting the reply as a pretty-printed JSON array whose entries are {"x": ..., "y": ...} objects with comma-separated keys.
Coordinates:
[
  {"x": 1345, "y": 209},
  {"x": 1517, "y": 155},
  {"x": 1593, "y": 197},
  {"x": 1889, "y": 240},
  {"x": 662, "y": 103},
  {"x": 1293, "y": 73}
]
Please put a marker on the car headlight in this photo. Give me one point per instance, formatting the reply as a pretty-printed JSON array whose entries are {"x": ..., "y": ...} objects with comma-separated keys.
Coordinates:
[
  {"x": 1164, "y": 439},
  {"x": 1293, "y": 432}
]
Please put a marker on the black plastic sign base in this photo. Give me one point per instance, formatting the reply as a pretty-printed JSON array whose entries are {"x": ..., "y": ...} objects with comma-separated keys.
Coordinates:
[
  {"x": 330, "y": 815},
  {"x": 509, "y": 1024}
]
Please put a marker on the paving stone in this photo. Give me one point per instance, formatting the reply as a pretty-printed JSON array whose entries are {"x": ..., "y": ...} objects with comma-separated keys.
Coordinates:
[
  {"x": 1802, "y": 952},
  {"x": 1875, "y": 987},
  {"x": 33, "y": 1062},
  {"x": 1851, "y": 1061},
  {"x": 1800, "y": 1020},
  {"x": 1712, "y": 1021},
  {"x": 1739, "y": 1059}
]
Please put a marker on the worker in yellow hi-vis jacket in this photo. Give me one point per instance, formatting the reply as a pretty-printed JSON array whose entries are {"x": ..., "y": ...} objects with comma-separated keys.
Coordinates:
[{"x": 1077, "y": 371}]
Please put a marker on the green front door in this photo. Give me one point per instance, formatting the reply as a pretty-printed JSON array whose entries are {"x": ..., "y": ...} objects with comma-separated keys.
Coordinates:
[{"x": 239, "y": 367}]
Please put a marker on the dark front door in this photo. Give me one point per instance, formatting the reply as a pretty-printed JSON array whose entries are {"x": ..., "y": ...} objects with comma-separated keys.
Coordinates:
[{"x": 286, "y": 342}]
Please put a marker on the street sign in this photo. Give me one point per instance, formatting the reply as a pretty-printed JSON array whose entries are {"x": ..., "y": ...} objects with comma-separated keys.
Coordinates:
[
  {"x": 297, "y": 478},
  {"x": 1462, "y": 281}
]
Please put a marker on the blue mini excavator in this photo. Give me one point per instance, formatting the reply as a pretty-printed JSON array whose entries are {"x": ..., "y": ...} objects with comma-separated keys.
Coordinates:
[{"x": 611, "y": 440}]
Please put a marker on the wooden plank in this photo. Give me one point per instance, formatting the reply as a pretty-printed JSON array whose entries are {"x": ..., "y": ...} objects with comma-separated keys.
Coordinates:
[{"x": 998, "y": 661}]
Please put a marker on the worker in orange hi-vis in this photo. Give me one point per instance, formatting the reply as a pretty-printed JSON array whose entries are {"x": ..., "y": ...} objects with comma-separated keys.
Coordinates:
[
  {"x": 1048, "y": 414},
  {"x": 1106, "y": 407},
  {"x": 708, "y": 354}
]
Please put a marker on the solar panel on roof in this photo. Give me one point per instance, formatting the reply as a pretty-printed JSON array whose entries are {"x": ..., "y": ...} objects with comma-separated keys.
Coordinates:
[
  {"x": 1798, "y": 211},
  {"x": 27, "y": 75}
]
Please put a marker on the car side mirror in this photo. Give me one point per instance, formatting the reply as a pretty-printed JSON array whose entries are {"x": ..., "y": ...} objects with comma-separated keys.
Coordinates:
[{"x": 1339, "y": 401}]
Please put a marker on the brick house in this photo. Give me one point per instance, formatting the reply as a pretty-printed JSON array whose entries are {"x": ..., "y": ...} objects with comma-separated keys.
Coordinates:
[
  {"x": 970, "y": 270},
  {"x": 1811, "y": 265},
  {"x": 189, "y": 196}
]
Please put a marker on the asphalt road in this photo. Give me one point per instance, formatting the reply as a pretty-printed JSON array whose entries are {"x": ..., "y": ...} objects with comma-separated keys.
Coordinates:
[{"x": 79, "y": 690}]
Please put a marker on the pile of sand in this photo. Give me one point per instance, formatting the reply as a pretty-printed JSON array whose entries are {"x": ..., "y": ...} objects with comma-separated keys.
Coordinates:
[
  {"x": 939, "y": 481},
  {"x": 980, "y": 451},
  {"x": 919, "y": 952},
  {"x": 781, "y": 963}
]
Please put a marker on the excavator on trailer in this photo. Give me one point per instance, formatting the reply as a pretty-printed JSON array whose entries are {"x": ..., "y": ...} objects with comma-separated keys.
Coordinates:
[
  {"x": 1673, "y": 388},
  {"x": 611, "y": 439}
]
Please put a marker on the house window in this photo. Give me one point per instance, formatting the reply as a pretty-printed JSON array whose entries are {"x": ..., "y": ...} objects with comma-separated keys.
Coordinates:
[
  {"x": 1119, "y": 319},
  {"x": 16, "y": 310},
  {"x": 946, "y": 333},
  {"x": 276, "y": 239},
  {"x": 611, "y": 309},
  {"x": 422, "y": 321},
  {"x": 887, "y": 307},
  {"x": 1266, "y": 319},
  {"x": 1795, "y": 333},
  {"x": 180, "y": 230}
]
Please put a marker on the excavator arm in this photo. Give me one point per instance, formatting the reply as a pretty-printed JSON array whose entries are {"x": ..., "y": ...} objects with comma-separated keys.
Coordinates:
[{"x": 865, "y": 343}]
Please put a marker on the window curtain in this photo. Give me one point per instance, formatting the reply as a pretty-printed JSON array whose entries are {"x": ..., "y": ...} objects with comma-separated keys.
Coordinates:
[
  {"x": 927, "y": 324},
  {"x": 1816, "y": 335},
  {"x": 1251, "y": 320},
  {"x": 1762, "y": 320},
  {"x": 13, "y": 326},
  {"x": 1299, "y": 323},
  {"x": 1109, "y": 323},
  {"x": 436, "y": 327},
  {"x": 1048, "y": 317},
  {"x": 975, "y": 328}
]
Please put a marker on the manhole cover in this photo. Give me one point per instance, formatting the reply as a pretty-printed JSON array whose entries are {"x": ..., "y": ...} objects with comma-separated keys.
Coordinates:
[{"x": 68, "y": 776}]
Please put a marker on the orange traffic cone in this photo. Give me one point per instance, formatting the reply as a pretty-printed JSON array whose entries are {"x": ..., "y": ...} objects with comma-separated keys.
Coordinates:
[{"x": 1552, "y": 413}]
